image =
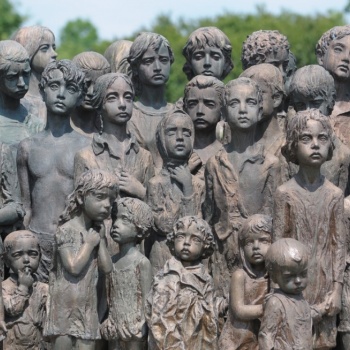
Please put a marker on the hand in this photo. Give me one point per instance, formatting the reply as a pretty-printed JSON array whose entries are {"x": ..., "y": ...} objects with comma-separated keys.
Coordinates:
[
  {"x": 108, "y": 330},
  {"x": 130, "y": 185},
  {"x": 333, "y": 302},
  {"x": 25, "y": 278},
  {"x": 93, "y": 237},
  {"x": 183, "y": 176},
  {"x": 194, "y": 162},
  {"x": 100, "y": 227},
  {"x": 124, "y": 334}
]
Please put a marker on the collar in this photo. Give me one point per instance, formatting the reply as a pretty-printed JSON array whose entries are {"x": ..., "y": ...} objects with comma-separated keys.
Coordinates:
[{"x": 101, "y": 143}]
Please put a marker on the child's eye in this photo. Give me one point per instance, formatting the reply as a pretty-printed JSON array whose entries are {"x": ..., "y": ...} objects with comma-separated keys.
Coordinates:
[
  {"x": 44, "y": 48},
  {"x": 11, "y": 77},
  {"x": 147, "y": 60},
  {"x": 72, "y": 89},
  {"x": 192, "y": 104},
  {"x": 179, "y": 237},
  {"x": 216, "y": 56},
  {"x": 198, "y": 56},
  {"x": 164, "y": 59},
  {"x": 252, "y": 102},
  {"x": 53, "y": 86},
  {"x": 187, "y": 133},
  {"x": 197, "y": 240}
]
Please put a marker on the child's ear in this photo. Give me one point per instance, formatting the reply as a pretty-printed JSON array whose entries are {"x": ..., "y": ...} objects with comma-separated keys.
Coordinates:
[
  {"x": 43, "y": 95},
  {"x": 319, "y": 57},
  {"x": 260, "y": 113},
  {"x": 80, "y": 199},
  {"x": 277, "y": 99}
]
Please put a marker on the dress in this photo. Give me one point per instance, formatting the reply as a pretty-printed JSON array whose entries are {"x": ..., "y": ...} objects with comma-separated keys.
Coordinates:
[
  {"x": 143, "y": 124},
  {"x": 239, "y": 334},
  {"x": 232, "y": 195},
  {"x": 126, "y": 309},
  {"x": 286, "y": 324},
  {"x": 168, "y": 204},
  {"x": 24, "y": 315},
  {"x": 316, "y": 219},
  {"x": 72, "y": 302},
  {"x": 181, "y": 309}
]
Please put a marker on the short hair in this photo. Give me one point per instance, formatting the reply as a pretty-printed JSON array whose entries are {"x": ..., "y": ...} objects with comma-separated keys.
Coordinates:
[
  {"x": 259, "y": 44},
  {"x": 103, "y": 83},
  {"x": 296, "y": 125},
  {"x": 141, "y": 215},
  {"x": 11, "y": 51},
  {"x": 15, "y": 236},
  {"x": 284, "y": 251},
  {"x": 203, "y": 37},
  {"x": 258, "y": 224},
  {"x": 244, "y": 81},
  {"x": 88, "y": 181},
  {"x": 117, "y": 55},
  {"x": 334, "y": 33},
  {"x": 204, "y": 82},
  {"x": 71, "y": 73},
  {"x": 311, "y": 81},
  {"x": 31, "y": 38},
  {"x": 92, "y": 61},
  {"x": 141, "y": 44},
  {"x": 267, "y": 73},
  {"x": 160, "y": 132},
  {"x": 201, "y": 225}
]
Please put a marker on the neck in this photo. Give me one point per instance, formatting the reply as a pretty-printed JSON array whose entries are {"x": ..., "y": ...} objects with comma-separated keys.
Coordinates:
[
  {"x": 83, "y": 221},
  {"x": 343, "y": 91},
  {"x": 119, "y": 131},
  {"x": 126, "y": 248},
  {"x": 309, "y": 177},
  {"x": 84, "y": 119},
  {"x": 58, "y": 125},
  {"x": 268, "y": 127},
  {"x": 190, "y": 263},
  {"x": 241, "y": 140},
  {"x": 204, "y": 138},
  {"x": 34, "y": 81},
  {"x": 153, "y": 96},
  {"x": 9, "y": 103}
]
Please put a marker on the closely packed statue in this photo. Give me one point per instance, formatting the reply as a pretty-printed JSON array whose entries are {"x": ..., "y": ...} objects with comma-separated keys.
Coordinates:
[{"x": 218, "y": 221}]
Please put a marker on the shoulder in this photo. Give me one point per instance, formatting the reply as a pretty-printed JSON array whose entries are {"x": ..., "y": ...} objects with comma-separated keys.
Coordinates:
[
  {"x": 271, "y": 160},
  {"x": 238, "y": 276},
  {"x": 84, "y": 153},
  {"x": 336, "y": 191}
]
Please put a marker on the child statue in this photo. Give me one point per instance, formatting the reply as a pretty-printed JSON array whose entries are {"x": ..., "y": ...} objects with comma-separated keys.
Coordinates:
[
  {"x": 46, "y": 161},
  {"x": 81, "y": 253},
  {"x": 182, "y": 309},
  {"x": 40, "y": 44},
  {"x": 84, "y": 119},
  {"x": 14, "y": 79},
  {"x": 241, "y": 178},
  {"x": 24, "y": 297},
  {"x": 131, "y": 277},
  {"x": 150, "y": 59},
  {"x": 114, "y": 148},
  {"x": 332, "y": 52},
  {"x": 310, "y": 209},
  {"x": 203, "y": 101},
  {"x": 288, "y": 318},
  {"x": 313, "y": 87},
  {"x": 249, "y": 286},
  {"x": 174, "y": 192},
  {"x": 117, "y": 56},
  {"x": 266, "y": 46},
  {"x": 270, "y": 80},
  {"x": 208, "y": 52}
]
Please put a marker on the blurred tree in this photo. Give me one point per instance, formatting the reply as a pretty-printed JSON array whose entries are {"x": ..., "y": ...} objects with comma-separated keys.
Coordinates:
[
  {"x": 303, "y": 32},
  {"x": 10, "y": 20},
  {"x": 77, "y": 36}
]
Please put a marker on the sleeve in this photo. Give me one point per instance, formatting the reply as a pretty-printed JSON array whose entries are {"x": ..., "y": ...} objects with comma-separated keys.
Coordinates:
[
  {"x": 337, "y": 228},
  {"x": 15, "y": 301},
  {"x": 64, "y": 238},
  {"x": 271, "y": 322}
]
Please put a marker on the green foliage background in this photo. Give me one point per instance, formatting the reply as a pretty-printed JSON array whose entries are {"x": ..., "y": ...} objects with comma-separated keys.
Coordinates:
[{"x": 302, "y": 31}]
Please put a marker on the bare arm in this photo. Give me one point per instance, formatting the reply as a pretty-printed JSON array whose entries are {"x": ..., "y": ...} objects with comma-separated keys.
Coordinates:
[
  {"x": 75, "y": 263},
  {"x": 104, "y": 259},
  {"x": 240, "y": 310},
  {"x": 23, "y": 177}
]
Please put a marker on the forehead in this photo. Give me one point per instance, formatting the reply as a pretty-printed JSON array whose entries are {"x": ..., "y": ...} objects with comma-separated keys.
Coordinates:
[
  {"x": 24, "y": 243},
  {"x": 344, "y": 41},
  {"x": 207, "y": 93},
  {"x": 305, "y": 95},
  {"x": 313, "y": 126},
  {"x": 161, "y": 51},
  {"x": 120, "y": 86},
  {"x": 191, "y": 230},
  {"x": 18, "y": 66},
  {"x": 122, "y": 210},
  {"x": 47, "y": 38},
  {"x": 291, "y": 266},
  {"x": 241, "y": 90},
  {"x": 279, "y": 55},
  {"x": 253, "y": 234},
  {"x": 179, "y": 122},
  {"x": 56, "y": 74}
]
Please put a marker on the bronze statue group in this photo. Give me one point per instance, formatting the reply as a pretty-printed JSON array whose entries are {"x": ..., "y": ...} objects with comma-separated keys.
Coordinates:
[{"x": 216, "y": 221}]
